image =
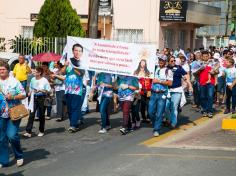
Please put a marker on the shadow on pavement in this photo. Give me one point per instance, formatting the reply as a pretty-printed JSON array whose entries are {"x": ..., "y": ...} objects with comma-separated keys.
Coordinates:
[
  {"x": 55, "y": 130},
  {"x": 30, "y": 156},
  {"x": 35, "y": 155},
  {"x": 20, "y": 173}
]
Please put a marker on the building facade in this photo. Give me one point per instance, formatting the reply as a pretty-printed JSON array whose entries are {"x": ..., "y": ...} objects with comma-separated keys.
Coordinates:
[
  {"x": 217, "y": 34},
  {"x": 162, "y": 23}
]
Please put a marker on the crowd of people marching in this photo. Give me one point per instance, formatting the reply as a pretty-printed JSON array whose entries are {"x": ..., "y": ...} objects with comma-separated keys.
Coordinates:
[{"x": 208, "y": 75}]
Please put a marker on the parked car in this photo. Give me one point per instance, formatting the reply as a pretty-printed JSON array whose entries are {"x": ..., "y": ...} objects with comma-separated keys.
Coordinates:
[{"x": 11, "y": 58}]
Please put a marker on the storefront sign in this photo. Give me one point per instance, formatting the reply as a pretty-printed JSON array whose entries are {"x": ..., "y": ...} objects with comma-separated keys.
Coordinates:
[
  {"x": 34, "y": 16},
  {"x": 104, "y": 7},
  {"x": 173, "y": 10},
  {"x": 113, "y": 57}
]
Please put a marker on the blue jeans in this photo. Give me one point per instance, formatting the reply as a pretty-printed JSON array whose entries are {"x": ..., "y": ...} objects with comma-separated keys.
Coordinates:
[
  {"x": 156, "y": 109},
  {"x": 104, "y": 110},
  {"x": 196, "y": 93},
  {"x": 207, "y": 97},
  {"x": 60, "y": 95},
  {"x": 74, "y": 109},
  {"x": 172, "y": 105},
  {"x": 9, "y": 133}
]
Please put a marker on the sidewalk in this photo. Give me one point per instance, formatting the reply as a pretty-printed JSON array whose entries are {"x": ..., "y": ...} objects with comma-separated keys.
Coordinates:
[{"x": 207, "y": 135}]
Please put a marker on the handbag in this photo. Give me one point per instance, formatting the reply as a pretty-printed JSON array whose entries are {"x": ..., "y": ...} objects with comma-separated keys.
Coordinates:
[
  {"x": 18, "y": 112},
  {"x": 50, "y": 101}
]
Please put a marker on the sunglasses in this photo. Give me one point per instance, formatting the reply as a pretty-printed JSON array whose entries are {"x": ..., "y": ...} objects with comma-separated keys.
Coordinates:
[{"x": 172, "y": 61}]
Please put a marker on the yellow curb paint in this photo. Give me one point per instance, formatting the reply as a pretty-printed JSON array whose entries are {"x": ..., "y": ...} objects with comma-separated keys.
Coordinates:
[
  {"x": 229, "y": 124},
  {"x": 154, "y": 140},
  {"x": 180, "y": 156}
]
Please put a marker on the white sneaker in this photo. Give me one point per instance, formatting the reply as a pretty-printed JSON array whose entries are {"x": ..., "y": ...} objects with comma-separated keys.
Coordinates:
[
  {"x": 102, "y": 131},
  {"x": 1, "y": 166},
  {"x": 19, "y": 162},
  {"x": 27, "y": 135},
  {"x": 40, "y": 134},
  {"x": 48, "y": 118},
  {"x": 156, "y": 134}
]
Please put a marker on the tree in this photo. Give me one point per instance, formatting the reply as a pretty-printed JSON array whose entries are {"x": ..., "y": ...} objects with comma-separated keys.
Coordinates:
[
  {"x": 234, "y": 13},
  {"x": 57, "y": 18}
]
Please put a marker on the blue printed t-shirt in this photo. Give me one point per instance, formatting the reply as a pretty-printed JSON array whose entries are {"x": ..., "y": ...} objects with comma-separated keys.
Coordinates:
[
  {"x": 107, "y": 79},
  {"x": 73, "y": 82},
  {"x": 12, "y": 86},
  {"x": 230, "y": 75},
  {"x": 162, "y": 74},
  {"x": 178, "y": 73},
  {"x": 127, "y": 94},
  {"x": 3, "y": 105}
]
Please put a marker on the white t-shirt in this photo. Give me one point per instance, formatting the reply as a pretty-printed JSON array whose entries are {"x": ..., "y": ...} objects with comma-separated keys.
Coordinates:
[
  {"x": 162, "y": 74},
  {"x": 41, "y": 84},
  {"x": 85, "y": 78},
  {"x": 230, "y": 75},
  {"x": 222, "y": 62},
  {"x": 186, "y": 67}
]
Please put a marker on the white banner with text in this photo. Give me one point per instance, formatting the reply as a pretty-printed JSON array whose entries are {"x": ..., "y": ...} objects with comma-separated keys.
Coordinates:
[{"x": 111, "y": 56}]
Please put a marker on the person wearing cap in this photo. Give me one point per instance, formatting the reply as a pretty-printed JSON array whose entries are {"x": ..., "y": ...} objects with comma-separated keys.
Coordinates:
[{"x": 163, "y": 78}]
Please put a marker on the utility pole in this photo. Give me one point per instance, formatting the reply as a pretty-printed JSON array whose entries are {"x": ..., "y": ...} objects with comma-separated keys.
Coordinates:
[
  {"x": 93, "y": 19},
  {"x": 227, "y": 17}
]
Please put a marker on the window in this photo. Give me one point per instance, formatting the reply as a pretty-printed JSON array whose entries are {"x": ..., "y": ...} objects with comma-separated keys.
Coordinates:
[
  {"x": 182, "y": 35},
  {"x": 129, "y": 35},
  {"x": 27, "y": 31}
]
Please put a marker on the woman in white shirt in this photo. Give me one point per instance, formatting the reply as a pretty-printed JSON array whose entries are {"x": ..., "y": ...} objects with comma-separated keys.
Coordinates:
[{"x": 39, "y": 88}]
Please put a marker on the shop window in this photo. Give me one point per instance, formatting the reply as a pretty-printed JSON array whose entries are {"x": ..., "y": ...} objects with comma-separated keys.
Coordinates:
[
  {"x": 27, "y": 31},
  {"x": 169, "y": 38},
  {"x": 129, "y": 35},
  {"x": 182, "y": 39}
]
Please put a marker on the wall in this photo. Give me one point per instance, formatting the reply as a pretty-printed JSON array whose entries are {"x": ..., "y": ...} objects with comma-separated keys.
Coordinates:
[
  {"x": 138, "y": 14},
  {"x": 16, "y": 13}
]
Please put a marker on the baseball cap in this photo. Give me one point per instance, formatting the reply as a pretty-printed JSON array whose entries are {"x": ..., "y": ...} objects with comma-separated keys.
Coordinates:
[
  {"x": 163, "y": 57},
  {"x": 216, "y": 56}
]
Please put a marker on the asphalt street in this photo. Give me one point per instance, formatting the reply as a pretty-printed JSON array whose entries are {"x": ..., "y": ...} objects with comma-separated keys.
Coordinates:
[{"x": 87, "y": 153}]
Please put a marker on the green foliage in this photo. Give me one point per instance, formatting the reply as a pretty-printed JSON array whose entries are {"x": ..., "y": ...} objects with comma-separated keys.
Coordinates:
[
  {"x": 33, "y": 46},
  {"x": 38, "y": 45},
  {"x": 57, "y": 18},
  {"x": 233, "y": 116},
  {"x": 234, "y": 13}
]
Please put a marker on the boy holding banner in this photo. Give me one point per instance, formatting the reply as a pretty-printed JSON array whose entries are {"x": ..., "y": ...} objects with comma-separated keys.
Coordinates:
[{"x": 74, "y": 87}]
